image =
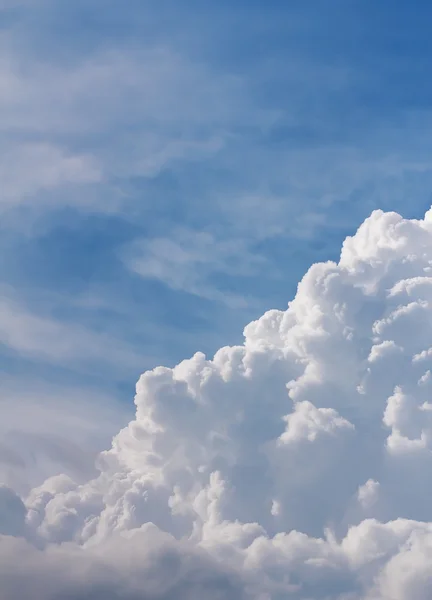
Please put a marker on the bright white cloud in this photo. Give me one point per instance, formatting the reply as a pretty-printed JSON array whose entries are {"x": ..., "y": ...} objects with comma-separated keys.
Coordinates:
[{"x": 296, "y": 465}]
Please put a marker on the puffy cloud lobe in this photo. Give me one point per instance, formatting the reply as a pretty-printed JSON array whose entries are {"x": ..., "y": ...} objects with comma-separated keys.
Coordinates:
[{"x": 296, "y": 465}]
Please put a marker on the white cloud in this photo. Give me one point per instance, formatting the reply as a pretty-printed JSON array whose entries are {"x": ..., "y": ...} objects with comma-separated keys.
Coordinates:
[{"x": 296, "y": 465}]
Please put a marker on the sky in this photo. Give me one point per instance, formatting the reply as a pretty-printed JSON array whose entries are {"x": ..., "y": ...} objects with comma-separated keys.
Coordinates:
[{"x": 168, "y": 173}]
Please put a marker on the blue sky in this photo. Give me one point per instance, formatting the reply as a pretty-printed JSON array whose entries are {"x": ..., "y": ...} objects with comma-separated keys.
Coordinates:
[{"x": 169, "y": 170}]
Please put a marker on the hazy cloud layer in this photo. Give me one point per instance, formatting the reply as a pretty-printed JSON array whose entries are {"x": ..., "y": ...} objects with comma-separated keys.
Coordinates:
[{"x": 49, "y": 428}]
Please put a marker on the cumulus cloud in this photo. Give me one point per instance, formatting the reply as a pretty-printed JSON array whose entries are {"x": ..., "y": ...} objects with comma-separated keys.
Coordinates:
[{"x": 295, "y": 465}]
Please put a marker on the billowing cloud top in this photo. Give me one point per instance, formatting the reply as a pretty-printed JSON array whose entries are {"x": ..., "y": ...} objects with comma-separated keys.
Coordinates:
[{"x": 297, "y": 465}]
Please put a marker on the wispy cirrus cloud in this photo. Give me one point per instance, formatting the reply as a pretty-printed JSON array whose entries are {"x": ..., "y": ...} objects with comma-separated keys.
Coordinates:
[
  {"x": 190, "y": 261},
  {"x": 42, "y": 337},
  {"x": 29, "y": 170},
  {"x": 110, "y": 116}
]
